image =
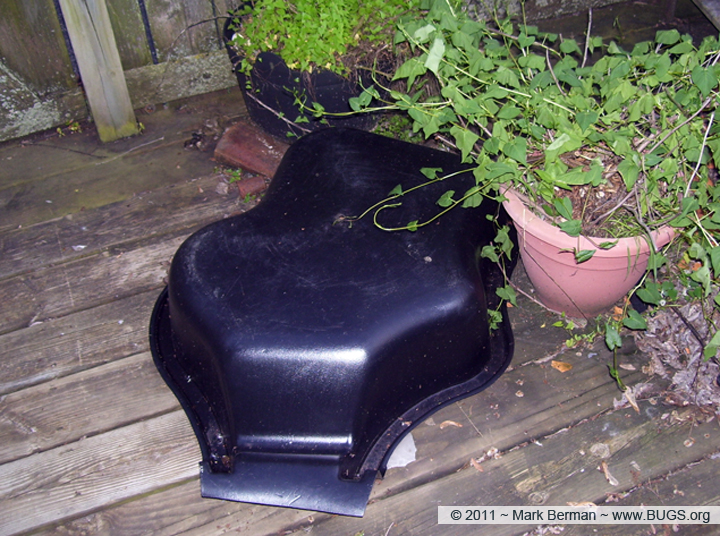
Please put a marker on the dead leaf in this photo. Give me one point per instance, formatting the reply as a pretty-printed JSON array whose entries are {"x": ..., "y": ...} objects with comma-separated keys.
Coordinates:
[
  {"x": 519, "y": 394},
  {"x": 630, "y": 397},
  {"x": 611, "y": 479},
  {"x": 627, "y": 366},
  {"x": 617, "y": 314},
  {"x": 445, "y": 424},
  {"x": 476, "y": 465},
  {"x": 561, "y": 366},
  {"x": 586, "y": 504}
]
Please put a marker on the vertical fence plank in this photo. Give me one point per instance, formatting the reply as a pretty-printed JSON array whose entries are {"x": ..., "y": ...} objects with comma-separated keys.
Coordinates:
[
  {"x": 32, "y": 46},
  {"x": 175, "y": 29},
  {"x": 129, "y": 33},
  {"x": 101, "y": 71}
]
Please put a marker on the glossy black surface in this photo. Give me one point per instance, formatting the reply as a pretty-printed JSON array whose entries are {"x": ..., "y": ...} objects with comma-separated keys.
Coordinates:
[{"x": 302, "y": 345}]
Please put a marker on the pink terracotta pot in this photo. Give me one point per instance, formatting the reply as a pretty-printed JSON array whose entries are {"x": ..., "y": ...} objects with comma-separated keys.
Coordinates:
[{"x": 579, "y": 290}]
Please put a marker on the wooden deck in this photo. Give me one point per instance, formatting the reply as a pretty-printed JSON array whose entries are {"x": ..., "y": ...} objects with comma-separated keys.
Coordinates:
[{"x": 93, "y": 442}]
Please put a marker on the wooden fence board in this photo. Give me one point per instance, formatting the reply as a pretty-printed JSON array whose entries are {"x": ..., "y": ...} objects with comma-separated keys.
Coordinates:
[
  {"x": 78, "y": 478},
  {"x": 127, "y": 25},
  {"x": 170, "y": 21},
  {"x": 32, "y": 45},
  {"x": 76, "y": 342},
  {"x": 62, "y": 411},
  {"x": 180, "y": 78},
  {"x": 93, "y": 40}
]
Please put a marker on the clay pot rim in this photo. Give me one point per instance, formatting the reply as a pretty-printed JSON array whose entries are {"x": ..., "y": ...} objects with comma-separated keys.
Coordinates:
[{"x": 548, "y": 233}]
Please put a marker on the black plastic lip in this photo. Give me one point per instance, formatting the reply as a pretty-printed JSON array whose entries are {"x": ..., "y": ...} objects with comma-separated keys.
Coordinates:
[
  {"x": 305, "y": 482},
  {"x": 293, "y": 481}
]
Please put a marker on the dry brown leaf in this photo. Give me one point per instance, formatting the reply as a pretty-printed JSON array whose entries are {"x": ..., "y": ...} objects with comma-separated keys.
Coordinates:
[
  {"x": 588, "y": 504},
  {"x": 630, "y": 397},
  {"x": 476, "y": 465},
  {"x": 561, "y": 366},
  {"x": 617, "y": 314},
  {"x": 611, "y": 479},
  {"x": 445, "y": 424}
]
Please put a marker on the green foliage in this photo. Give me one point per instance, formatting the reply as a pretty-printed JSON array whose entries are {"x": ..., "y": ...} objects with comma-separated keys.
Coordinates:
[
  {"x": 313, "y": 33},
  {"x": 515, "y": 101}
]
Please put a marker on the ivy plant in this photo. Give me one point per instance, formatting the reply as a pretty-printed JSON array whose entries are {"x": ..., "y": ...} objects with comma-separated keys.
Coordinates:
[{"x": 547, "y": 115}]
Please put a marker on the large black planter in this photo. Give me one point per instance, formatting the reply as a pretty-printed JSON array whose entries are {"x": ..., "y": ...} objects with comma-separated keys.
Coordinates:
[
  {"x": 272, "y": 87},
  {"x": 303, "y": 348}
]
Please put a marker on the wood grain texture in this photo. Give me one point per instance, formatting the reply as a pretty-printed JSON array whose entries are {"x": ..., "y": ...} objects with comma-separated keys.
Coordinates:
[
  {"x": 88, "y": 403},
  {"x": 80, "y": 477},
  {"x": 184, "y": 205},
  {"x": 93, "y": 40},
  {"x": 60, "y": 347}
]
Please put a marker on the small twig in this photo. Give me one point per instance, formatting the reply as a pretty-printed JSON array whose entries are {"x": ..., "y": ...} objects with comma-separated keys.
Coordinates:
[
  {"x": 557, "y": 82},
  {"x": 678, "y": 127},
  {"x": 587, "y": 38},
  {"x": 276, "y": 113},
  {"x": 129, "y": 151},
  {"x": 518, "y": 289},
  {"x": 702, "y": 149}
]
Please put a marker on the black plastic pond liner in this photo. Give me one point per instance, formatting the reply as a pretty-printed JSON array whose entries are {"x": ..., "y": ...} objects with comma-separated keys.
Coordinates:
[{"x": 303, "y": 346}]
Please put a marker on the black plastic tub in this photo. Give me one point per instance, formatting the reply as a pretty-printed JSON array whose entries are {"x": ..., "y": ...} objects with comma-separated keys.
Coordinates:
[{"x": 303, "y": 347}]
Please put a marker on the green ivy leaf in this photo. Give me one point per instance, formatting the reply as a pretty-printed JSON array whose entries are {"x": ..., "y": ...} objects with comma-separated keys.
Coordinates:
[
  {"x": 446, "y": 199},
  {"x": 488, "y": 252},
  {"x": 667, "y": 37},
  {"x": 564, "y": 207},
  {"x": 584, "y": 255},
  {"x": 634, "y": 320},
  {"x": 509, "y": 111},
  {"x": 568, "y": 46},
  {"x": 473, "y": 198},
  {"x": 397, "y": 191},
  {"x": 650, "y": 294},
  {"x": 412, "y": 226},
  {"x": 435, "y": 55},
  {"x": 571, "y": 227},
  {"x": 629, "y": 171},
  {"x": 431, "y": 172},
  {"x": 612, "y": 337},
  {"x": 715, "y": 259},
  {"x": 711, "y": 348},
  {"x": 507, "y": 293},
  {"x": 586, "y": 119},
  {"x": 464, "y": 139},
  {"x": 516, "y": 149},
  {"x": 705, "y": 79},
  {"x": 411, "y": 69}
]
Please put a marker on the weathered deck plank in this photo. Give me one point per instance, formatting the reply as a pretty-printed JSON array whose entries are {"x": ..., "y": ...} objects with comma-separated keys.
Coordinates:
[
  {"x": 78, "y": 478},
  {"x": 179, "y": 206},
  {"x": 87, "y": 282},
  {"x": 562, "y": 470},
  {"x": 76, "y": 342},
  {"x": 89, "y": 403}
]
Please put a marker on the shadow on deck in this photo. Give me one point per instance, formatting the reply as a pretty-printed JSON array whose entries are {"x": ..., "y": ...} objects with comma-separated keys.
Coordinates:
[{"x": 93, "y": 442}]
